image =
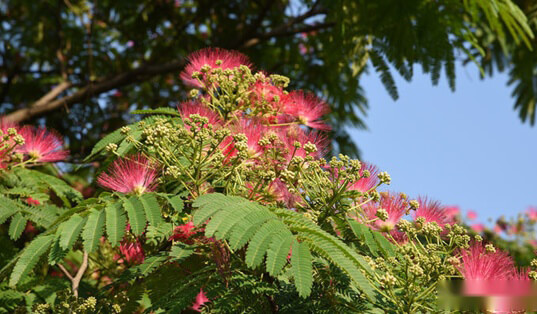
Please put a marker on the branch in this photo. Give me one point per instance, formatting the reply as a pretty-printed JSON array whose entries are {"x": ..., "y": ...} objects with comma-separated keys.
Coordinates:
[
  {"x": 48, "y": 97},
  {"x": 78, "y": 277},
  {"x": 284, "y": 32},
  {"x": 139, "y": 74},
  {"x": 282, "y": 29},
  {"x": 75, "y": 281},
  {"x": 65, "y": 272}
]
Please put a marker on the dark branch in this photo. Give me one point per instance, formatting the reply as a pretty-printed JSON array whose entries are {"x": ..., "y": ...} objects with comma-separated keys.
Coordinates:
[
  {"x": 284, "y": 33},
  {"x": 137, "y": 75}
]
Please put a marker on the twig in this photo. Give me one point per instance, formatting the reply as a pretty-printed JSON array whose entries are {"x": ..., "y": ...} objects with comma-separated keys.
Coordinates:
[
  {"x": 78, "y": 277},
  {"x": 65, "y": 272},
  {"x": 282, "y": 33},
  {"x": 75, "y": 281}
]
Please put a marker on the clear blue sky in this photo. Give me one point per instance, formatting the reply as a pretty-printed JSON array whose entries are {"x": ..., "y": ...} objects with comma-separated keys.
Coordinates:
[{"x": 465, "y": 148}]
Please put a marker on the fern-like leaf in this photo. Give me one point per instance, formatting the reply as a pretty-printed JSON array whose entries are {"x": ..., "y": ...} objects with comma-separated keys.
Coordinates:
[
  {"x": 269, "y": 231},
  {"x": 181, "y": 251},
  {"x": 93, "y": 230},
  {"x": 17, "y": 225},
  {"x": 176, "y": 202},
  {"x": 260, "y": 242},
  {"x": 152, "y": 209},
  {"x": 247, "y": 226},
  {"x": 149, "y": 265},
  {"x": 29, "y": 257},
  {"x": 135, "y": 210},
  {"x": 70, "y": 231},
  {"x": 211, "y": 203},
  {"x": 302, "y": 268},
  {"x": 114, "y": 137},
  {"x": 63, "y": 190},
  {"x": 278, "y": 251},
  {"x": 115, "y": 223},
  {"x": 56, "y": 253},
  {"x": 7, "y": 208},
  {"x": 375, "y": 241}
]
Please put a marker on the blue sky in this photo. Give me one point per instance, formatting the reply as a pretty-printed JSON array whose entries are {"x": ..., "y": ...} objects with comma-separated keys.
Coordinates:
[{"x": 465, "y": 148}]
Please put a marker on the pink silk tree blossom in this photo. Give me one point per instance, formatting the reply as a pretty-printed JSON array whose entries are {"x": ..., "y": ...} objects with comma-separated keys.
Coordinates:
[
  {"x": 228, "y": 59},
  {"x": 132, "y": 174},
  {"x": 42, "y": 145},
  {"x": 307, "y": 109}
]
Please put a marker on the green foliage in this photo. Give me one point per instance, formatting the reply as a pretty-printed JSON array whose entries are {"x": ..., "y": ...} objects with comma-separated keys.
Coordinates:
[
  {"x": 63, "y": 190},
  {"x": 152, "y": 208},
  {"x": 42, "y": 216},
  {"x": 70, "y": 230},
  {"x": 29, "y": 257},
  {"x": 302, "y": 268},
  {"x": 124, "y": 143},
  {"x": 17, "y": 225},
  {"x": 181, "y": 251},
  {"x": 93, "y": 230},
  {"x": 115, "y": 223},
  {"x": 88, "y": 220},
  {"x": 230, "y": 214},
  {"x": 376, "y": 242},
  {"x": 150, "y": 265},
  {"x": 136, "y": 213}
]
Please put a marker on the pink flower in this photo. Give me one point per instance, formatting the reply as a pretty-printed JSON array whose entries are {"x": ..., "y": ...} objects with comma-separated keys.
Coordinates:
[
  {"x": 6, "y": 124},
  {"x": 253, "y": 130},
  {"x": 471, "y": 215},
  {"x": 133, "y": 252},
  {"x": 31, "y": 201},
  {"x": 183, "y": 232},
  {"x": 395, "y": 205},
  {"x": 42, "y": 145},
  {"x": 452, "y": 212},
  {"x": 478, "y": 227},
  {"x": 432, "y": 211},
  {"x": 280, "y": 192},
  {"x": 307, "y": 109},
  {"x": 209, "y": 56},
  {"x": 201, "y": 299},
  {"x": 365, "y": 184},
  {"x": 266, "y": 93},
  {"x": 132, "y": 174},
  {"x": 399, "y": 237},
  {"x": 296, "y": 134},
  {"x": 532, "y": 214},
  {"x": 478, "y": 264},
  {"x": 497, "y": 229},
  {"x": 194, "y": 107}
]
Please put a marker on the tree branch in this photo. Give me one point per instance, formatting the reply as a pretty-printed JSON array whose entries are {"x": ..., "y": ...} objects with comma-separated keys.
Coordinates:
[
  {"x": 139, "y": 74},
  {"x": 282, "y": 33},
  {"x": 75, "y": 281},
  {"x": 78, "y": 277},
  {"x": 47, "y": 103},
  {"x": 65, "y": 272}
]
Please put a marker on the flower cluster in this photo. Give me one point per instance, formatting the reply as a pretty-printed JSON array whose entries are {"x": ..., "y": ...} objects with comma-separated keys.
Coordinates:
[{"x": 244, "y": 133}]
